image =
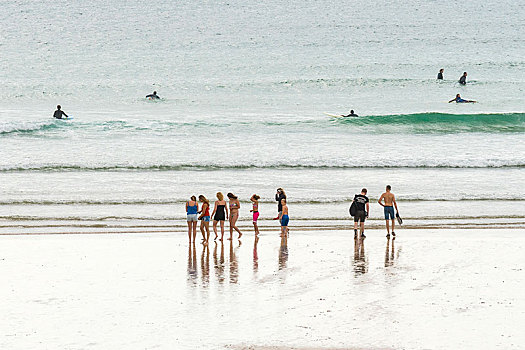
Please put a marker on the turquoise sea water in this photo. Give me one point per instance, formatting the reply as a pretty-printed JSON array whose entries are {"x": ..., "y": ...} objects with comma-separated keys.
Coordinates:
[{"x": 245, "y": 87}]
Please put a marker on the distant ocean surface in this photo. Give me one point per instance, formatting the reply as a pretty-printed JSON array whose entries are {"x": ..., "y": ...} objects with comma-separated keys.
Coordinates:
[{"x": 246, "y": 87}]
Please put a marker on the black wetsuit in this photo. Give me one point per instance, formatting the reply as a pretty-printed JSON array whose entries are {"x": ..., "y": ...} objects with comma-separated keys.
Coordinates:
[
  {"x": 351, "y": 115},
  {"x": 440, "y": 76},
  {"x": 58, "y": 114},
  {"x": 153, "y": 96},
  {"x": 278, "y": 198},
  {"x": 463, "y": 80}
]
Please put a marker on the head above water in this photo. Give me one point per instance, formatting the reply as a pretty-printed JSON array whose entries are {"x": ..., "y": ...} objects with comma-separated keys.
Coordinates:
[
  {"x": 154, "y": 92},
  {"x": 465, "y": 74},
  {"x": 388, "y": 187},
  {"x": 363, "y": 191},
  {"x": 458, "y": 96},
  {"x": 351, "y": 111},
  {"x": 441, "y": 70},
  {"x": 58, "y": 106},
  {"x": 220, "y": 196}
]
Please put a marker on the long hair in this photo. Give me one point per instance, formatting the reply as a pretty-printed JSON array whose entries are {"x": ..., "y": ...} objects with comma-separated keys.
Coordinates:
[
  {"x": 193, "y": 198},
  {"x": 220, "y": 196},
  {"x": 231, "y": 196},
  {"x": 204, "y": 199}
]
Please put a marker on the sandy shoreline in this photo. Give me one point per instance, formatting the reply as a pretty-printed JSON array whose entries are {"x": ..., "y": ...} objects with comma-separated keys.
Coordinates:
[{"x": 431, "y": 289}]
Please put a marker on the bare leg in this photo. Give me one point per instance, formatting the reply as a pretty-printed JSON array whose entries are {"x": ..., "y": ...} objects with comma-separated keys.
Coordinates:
[
  {"x": 387, "y": 227},
  {"x": 222, "y": 230},
  {"x": 202, "y": 230},
  {"x": 194, "y": 224},
  {"x": 189, "y": 230},
  {"x": 256, "y": 228},
  {"x": 232, "y": 225},
  {"x": 215, "y": 229},
  {"x": 362, "y": 227},
  {"x": 207, "y": 227}
]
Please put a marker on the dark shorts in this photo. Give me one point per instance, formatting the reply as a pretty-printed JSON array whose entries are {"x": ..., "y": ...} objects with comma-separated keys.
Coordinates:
[
  {"x": 360, "y": 216},
  {"x": 389, "y": 212}
]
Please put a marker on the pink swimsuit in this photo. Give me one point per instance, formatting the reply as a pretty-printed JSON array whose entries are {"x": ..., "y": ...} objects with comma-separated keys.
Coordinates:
[{"x": 255, "y": 207}]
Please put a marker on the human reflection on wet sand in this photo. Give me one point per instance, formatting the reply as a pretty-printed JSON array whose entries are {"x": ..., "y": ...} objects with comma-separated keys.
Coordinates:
[
  {"x": 255, "y": 256},
  {"x": 205, "y": 265},
  {"x": 234, "y": 266},
  {"x": 218, "y": 263},
  {"x": 360, "y": 263},
  {"x": 389, "y": 253},
  {"x": 283, "y": 252},
  {"x": 192, "y": 263}
]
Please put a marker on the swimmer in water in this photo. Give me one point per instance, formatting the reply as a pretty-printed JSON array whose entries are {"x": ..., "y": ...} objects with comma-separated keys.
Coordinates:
[
  {"x": 153, "y": 96},
  {"x": 59, "y": 113},
  {"x": 440, "y": 74},
  {"x": 458, "y": 99},
  {"x": 463, "y": 79},
  {"x": 352, "y": 114}
]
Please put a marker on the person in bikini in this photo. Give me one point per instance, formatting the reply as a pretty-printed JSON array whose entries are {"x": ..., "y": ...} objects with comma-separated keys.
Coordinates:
[
  {"x": 255, "y": 212},
  {"x": 235, "y": 205},
  {"x": 389, "y": 203}
]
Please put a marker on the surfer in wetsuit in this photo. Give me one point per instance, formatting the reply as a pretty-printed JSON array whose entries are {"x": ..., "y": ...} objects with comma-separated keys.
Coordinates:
[
  {"x": 440, "y": 74},
  {"x": 463, "y": 79},
  {"x": 153, "y": 96},
  {"x": 59, "y": 113},
  {"x": 458, "y": 99},
  {"x": 352, "y": 114}
]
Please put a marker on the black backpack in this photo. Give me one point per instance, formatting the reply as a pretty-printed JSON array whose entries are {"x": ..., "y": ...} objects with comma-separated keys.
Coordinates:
[{"x": 353, "y": 208}]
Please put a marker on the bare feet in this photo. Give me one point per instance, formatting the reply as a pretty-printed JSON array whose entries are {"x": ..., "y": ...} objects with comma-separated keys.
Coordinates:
[{"x": 240, "y": 234}]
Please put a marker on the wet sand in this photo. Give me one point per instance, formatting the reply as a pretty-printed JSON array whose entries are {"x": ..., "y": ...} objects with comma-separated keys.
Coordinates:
[{"x": 431, "y": 289}]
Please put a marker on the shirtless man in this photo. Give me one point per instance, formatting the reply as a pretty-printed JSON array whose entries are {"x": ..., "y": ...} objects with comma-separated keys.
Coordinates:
[{"x": 390, "y": 203}]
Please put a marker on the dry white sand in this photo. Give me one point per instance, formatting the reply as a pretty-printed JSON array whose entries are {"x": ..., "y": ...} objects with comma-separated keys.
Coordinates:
[{"x": 435, "y": 289}]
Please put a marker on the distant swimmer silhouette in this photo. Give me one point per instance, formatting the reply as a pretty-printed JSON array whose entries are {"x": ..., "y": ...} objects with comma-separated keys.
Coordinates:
[
  {"x": 59, "y": 113},
  {"x": 352, "y": 114},
  {"x": 458, "y": 99},
  {"x": 463, "y": 79},
  {"x": 440, "y": 74},
  {"x": 153, "y": 96}
]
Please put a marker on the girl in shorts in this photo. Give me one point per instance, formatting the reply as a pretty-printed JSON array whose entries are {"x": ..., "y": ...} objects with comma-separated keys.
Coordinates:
[
  {"x": 205, "y": 218},
  {"x": 255, "y": 212},
  {"x": 192, "y": 208}
]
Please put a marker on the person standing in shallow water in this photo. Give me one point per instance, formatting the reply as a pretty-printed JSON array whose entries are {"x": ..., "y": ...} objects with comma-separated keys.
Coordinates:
[
  {"x": 205, "y": 219},
  {"x": 220, "y": 212},
  {"x": 235, "y": 205},
  {"x": 363, "y": 208},
  {"x": 192, "y": 208},
  {"x": 390, "y": 202}
]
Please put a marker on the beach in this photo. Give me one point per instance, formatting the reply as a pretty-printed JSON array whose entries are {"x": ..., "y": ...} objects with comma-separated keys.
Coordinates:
[{"x": 431, "y": 289}]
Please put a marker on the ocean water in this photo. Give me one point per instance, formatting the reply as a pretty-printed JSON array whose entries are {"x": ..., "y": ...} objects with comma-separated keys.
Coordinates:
[{"x": 245, "y": 89}]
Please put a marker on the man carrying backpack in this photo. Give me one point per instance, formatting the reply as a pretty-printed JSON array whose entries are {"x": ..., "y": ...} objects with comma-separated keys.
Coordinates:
[{"x": 359, "y": 210}]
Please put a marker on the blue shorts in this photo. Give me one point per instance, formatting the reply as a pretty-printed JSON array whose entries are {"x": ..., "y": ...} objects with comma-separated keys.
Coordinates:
[
  {"x": 284, "y": 220},
  {"x": 206, "y": 218},
  {"x": 389, "y": 211}
]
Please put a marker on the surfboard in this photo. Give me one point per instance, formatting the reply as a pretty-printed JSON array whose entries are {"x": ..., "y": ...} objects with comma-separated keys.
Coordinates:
[{"x": 334, "y": 115}]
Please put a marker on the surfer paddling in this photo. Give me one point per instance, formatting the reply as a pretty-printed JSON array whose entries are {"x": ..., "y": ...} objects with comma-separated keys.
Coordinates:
[
  {"x": 458, "y": 99},
  {"x": 59, "y": 113},
  {"x": 153, "y": 96}
]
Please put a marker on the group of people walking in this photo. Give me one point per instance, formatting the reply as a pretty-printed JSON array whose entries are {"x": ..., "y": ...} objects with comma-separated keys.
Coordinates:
[{"x": 230, "y": 210}]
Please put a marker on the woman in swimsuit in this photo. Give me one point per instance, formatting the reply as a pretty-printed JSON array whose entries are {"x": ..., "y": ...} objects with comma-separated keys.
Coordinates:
[
  {"x": 220, "y": 211},
  {"x": 255, "y": 211},
  {"x": 234, "y": 214},
  {"x": 192, "y": 208},
  {"x": 205, "y": 218}
]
